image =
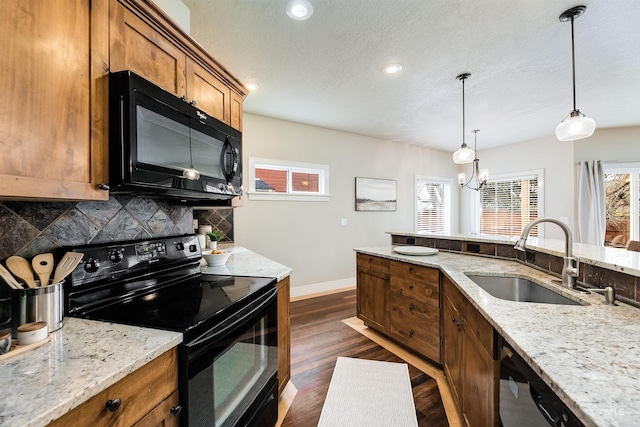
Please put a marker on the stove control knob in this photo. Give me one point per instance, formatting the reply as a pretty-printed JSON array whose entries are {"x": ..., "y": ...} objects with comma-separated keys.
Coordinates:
[
  {"x": 115, "y": 256},
  {"x": 180, "y": 246},
  {"x": 193, "y": 248},
  {"x": 91, "y": 265}
]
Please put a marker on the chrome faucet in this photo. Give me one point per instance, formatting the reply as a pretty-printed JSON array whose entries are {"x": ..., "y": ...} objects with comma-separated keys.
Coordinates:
[{"x": 570, "y": 267}]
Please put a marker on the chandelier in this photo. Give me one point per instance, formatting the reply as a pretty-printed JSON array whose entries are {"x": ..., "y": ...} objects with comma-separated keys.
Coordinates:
[{"x": 479, "y": 176}]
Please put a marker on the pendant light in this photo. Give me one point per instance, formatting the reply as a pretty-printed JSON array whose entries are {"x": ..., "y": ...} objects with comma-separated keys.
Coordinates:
[
  {"x": 576, "y": 125},
  {"x": 479, "y": 177},
  {"x": 463, "y": 154}
]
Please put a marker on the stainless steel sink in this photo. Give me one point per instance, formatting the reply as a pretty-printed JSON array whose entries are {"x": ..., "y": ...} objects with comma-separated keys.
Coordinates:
[{"x": 519, "y": 289}]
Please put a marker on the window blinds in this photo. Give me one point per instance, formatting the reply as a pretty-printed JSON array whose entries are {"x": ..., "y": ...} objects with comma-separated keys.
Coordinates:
[{"x": 507, "y": 206}]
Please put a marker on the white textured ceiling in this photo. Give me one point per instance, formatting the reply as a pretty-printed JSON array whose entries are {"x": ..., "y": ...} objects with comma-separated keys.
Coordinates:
[{"x": 327, "y": 71}]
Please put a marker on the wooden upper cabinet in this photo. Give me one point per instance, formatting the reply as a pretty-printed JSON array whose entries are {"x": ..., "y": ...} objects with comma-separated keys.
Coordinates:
[
  {"x": 52, "y": 67},
  {"x": 207, "y": 92},
  {"x": 137, "y": 46},
  {"x": 144, "y": 41}
]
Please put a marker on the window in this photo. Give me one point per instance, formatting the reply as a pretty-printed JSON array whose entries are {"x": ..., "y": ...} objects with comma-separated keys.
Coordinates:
[
  {"x": 278, "y": 179},
  {"x": 433, "y": 204},
  {"x": 509, "y": 202},
  {"x": 622, "y": 183}
]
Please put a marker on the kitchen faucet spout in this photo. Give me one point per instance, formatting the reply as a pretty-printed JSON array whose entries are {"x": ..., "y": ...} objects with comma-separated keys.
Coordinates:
[{"x": 570, "y": 267}]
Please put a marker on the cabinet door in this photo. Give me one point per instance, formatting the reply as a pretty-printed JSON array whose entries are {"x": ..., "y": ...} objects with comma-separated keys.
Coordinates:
[
  {"x": 46, "y": 146},
  {"x": 373, "y": 287},
  {"x": 452, "y": 347},
  {"x": 164, "y": 415},
  {"x": 207, "y": 92},
  {"x": 143, "y": 49},
  {"x": 284, "y": 334},
  {"x": 236, "y": 111},
  {"x": 478, "y": 386}
]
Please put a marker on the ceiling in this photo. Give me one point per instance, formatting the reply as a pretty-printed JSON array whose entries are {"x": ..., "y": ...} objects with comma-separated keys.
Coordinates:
[{"x": 327, "y": 71}]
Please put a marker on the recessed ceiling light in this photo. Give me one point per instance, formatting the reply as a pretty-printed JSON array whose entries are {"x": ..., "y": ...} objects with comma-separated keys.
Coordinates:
[
  {"x": 252, "y": 86},
  {"x": 392, "y": 68},
  {"x": 299, "y": 10}
]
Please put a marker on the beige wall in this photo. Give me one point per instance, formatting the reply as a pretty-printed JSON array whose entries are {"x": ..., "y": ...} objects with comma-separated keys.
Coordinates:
[{"x": 307, "y": 236}]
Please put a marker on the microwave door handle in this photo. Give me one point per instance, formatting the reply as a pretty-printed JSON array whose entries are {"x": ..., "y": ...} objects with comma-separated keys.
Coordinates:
[{"x": 228, "y": 170}]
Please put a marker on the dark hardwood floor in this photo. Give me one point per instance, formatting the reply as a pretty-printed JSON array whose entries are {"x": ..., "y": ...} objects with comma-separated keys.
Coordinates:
[{"x": 318, "y": 337}]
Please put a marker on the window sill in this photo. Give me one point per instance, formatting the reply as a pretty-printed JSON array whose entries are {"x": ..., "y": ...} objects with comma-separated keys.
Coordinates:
[{"x": 289, "y": 197}]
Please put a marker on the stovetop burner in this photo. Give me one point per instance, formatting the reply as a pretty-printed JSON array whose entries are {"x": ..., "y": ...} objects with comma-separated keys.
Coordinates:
[{"x": 156, "y": 283}]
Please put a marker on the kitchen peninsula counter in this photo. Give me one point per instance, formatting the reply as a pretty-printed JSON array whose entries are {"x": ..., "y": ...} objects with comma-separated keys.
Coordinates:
[
  {"x": 82, "y": 359},
  {"x": 588, "y": 354}
]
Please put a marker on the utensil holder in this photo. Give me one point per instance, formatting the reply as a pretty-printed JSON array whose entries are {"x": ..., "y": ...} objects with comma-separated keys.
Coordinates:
[{"x": 41, "y": 304}]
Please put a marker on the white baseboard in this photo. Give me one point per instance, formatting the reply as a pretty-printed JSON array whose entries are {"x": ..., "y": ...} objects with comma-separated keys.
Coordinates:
[{"x": 324, "y": 287}]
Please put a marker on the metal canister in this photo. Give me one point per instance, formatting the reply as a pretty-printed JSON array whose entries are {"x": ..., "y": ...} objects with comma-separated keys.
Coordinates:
[{"x": 40, "y": 304}]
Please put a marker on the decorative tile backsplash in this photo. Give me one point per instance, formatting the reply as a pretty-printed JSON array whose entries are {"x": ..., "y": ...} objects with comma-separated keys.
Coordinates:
[{"x": 30, "y": 228}]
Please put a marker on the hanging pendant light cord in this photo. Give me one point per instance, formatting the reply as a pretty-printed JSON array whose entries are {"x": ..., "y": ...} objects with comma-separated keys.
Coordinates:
[
  {"x": 463, "y": 122},
  {"x": 573, "y": 64}
]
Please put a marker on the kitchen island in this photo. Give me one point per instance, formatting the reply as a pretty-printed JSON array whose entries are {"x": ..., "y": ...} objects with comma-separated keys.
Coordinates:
[{"x": 586, "y": 353}]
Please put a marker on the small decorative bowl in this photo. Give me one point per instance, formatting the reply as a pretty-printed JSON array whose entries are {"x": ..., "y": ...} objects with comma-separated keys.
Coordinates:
[{"x": 216, "y": 258}]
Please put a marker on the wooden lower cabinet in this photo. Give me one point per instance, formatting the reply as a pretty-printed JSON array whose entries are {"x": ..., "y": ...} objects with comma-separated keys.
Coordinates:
[
  {"x": 414, "y": 308},
  {"x": 148, "y": 397},
  {"x": 470, "y": 362},
  {"x": 372, "y": 291},
  {"x": 284, "y": 333}
]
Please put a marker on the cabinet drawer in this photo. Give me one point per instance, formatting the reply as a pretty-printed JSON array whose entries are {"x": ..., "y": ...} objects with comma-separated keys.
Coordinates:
[
  {"x": 372, "y": 263},
  {"x": 139, "y": 393},
  {"x": 416, "y": 325},
  {"x": 419, "y": 283}
]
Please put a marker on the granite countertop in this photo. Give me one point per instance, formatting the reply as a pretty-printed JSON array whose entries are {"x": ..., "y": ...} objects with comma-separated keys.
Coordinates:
[
  {"x": 243, "y": 262},
  {"x": 82, "y": 359},
  {"x": 588, "y": 354}
]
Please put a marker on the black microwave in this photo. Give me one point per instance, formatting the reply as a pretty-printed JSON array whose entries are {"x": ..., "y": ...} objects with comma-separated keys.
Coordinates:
[{"x": 162, "y": 146}]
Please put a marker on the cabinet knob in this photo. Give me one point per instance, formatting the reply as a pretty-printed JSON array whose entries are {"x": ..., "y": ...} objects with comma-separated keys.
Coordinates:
[
  {"x": 193, "y": 102},
  {"x": 411, "y": 286},
  {"x": 184, "y": 98},
  {"x": 113, "y": 404},
  {"x": 411, "y": 307},
  {"x": 176, "y": 410},
  {"x": 411, "y": 332},
  {"x": 104, "y": 186}
]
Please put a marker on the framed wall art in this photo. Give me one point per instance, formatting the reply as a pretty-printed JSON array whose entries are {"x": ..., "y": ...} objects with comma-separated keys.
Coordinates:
[{"x": 375, "y": 194}]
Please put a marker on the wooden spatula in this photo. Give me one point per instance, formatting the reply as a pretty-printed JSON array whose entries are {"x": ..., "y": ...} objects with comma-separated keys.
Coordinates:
[
  {"x": 67, "y": 264},
  {"x": 8, "y": 278},
  {"x": 20, "y": 268},
  {"x": 43, "y": 266}
]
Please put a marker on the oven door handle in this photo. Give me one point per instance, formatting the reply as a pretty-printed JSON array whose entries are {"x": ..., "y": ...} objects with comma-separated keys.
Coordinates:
[{"x": 213, "y": 334}]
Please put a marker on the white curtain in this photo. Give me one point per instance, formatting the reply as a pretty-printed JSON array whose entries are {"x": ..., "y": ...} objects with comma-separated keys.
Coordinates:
[{"x": 591, "y": 203}]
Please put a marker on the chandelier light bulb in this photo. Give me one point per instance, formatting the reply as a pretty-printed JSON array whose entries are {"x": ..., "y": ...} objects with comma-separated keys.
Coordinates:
[{"x": 463, "y": 155}]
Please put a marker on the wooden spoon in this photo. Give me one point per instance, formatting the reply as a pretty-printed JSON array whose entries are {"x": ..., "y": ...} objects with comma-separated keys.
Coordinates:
[
  {"x": 43, "y": 266},
  {"x": 8, "y": 278},
  {"x": 20, "y": 268}
]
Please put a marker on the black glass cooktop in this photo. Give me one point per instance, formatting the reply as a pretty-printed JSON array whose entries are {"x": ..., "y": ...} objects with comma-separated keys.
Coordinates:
[{"x": 190, "y": 306}]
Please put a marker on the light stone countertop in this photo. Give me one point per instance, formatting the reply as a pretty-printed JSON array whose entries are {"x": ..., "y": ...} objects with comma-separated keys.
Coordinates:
[
  {"x": 244, "y": 262},
  {"x": 617, "y": 259},
  {"x": 588, "y": 354},
  {"x": 82, "y": 359}
]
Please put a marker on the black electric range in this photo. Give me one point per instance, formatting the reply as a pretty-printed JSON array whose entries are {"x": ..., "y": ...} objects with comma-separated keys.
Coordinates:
[{"x": 157, "y": 283}]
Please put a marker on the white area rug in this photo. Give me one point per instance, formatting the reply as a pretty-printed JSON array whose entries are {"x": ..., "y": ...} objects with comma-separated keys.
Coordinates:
[{"x": 369, "y": 393}]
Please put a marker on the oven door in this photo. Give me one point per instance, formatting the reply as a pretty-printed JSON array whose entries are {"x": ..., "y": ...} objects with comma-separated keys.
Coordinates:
[{"x": 229, "y": 375}]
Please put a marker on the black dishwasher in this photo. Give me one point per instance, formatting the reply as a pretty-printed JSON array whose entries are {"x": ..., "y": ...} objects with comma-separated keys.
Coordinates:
[{"x": 525, "y": 399}]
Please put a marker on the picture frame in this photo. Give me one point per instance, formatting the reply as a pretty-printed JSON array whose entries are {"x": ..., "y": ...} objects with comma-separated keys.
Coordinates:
[{"x": 373, "y": 194}]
